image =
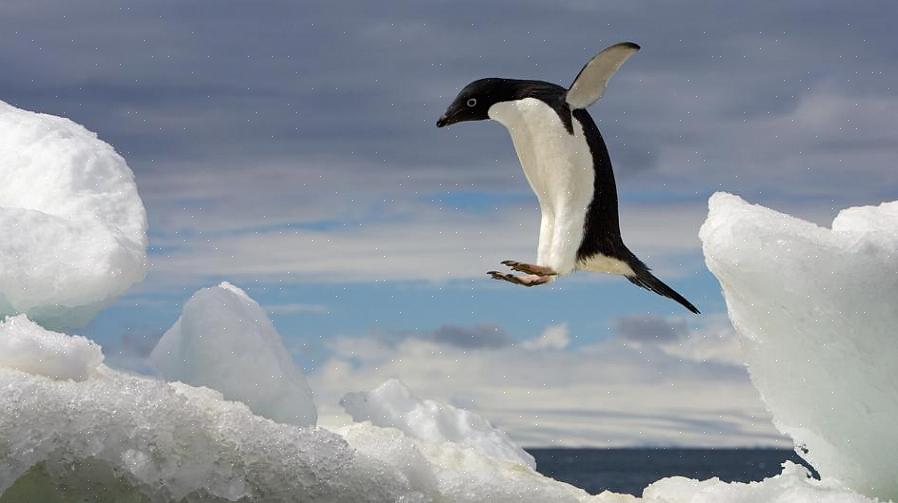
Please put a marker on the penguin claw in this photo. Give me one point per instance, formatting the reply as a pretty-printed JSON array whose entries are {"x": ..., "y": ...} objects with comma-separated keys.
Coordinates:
[
  {"x": 529, "y": 280},
  {"x": 537, "y": 270}
]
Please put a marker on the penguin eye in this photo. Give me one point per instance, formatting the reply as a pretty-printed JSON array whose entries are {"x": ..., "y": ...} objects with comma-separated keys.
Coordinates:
[{"x": 472, "y": 102}]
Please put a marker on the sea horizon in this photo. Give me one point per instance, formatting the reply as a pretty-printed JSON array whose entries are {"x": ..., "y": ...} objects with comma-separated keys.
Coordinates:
[{"x": 631, "y": 469}]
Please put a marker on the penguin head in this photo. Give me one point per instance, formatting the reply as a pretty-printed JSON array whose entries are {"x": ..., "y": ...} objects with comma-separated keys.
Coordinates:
[{"x": 474, "y": 101}]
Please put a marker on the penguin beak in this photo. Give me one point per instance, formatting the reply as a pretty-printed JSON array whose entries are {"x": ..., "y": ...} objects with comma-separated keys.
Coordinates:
[{"x": 455, "y": 114}]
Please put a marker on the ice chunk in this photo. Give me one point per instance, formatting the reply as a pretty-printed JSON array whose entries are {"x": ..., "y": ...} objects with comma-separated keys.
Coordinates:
[
  {"x": 224, "y": 340},
  {"x": 26, "y": 346},
  {"x": 116, "y": 437},
  {"x": 73, "y": 225},
  {"x": 817, "y": 310},
  {"x": 457, "y": 473},
  {"x": 794, "y": 485},
  {"x": 393, "y": 405}
]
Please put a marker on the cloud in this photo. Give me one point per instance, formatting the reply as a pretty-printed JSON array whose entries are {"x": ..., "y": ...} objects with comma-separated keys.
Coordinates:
[
  {"x": 408, "y": 241},
  {"x": 481, "y": 336},
  {"x": 605, "y": 393},
  {"x": 649, "y": 328},
  {"x": 712, "y": 341},
  {"x": 553, "y": 337},
  {"x": 465, "y": 337}
]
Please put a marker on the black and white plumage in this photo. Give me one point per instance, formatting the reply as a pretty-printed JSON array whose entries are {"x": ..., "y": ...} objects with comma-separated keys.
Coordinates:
[{"x": 567, "y": 165}]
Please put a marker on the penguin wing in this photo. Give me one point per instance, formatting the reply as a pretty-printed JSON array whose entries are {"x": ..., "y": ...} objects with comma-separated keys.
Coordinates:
[{"x": 590, "y": 83}]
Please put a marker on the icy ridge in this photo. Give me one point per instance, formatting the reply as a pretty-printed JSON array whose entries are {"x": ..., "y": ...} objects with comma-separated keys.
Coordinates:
[
  {"x": 392, "y": 405},
  {"x": 816, "y": 312}
]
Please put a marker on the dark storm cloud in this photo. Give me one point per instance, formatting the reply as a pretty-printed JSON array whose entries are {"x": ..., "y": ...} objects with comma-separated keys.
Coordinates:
[{"x": 649, "y": 328}]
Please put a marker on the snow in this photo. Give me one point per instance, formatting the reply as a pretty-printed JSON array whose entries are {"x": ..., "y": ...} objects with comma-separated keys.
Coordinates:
[
  {"x": 73, "y": 224},
  {"x": 792, "y": 486},
  {"x": 446, "y": 471},
  {"x": 168, "y": 442},
  {"x": 26, "y": 346},
  {"x": 133, "y": 438},
  {"x": 142, "y": 439},
  {"x": 225, "y": 341},
  {"x": 392, "y": 405},
  {"x": 816, "y": 312}
]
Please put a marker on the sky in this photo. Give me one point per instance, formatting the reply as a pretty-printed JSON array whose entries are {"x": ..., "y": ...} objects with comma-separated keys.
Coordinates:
[{"x": 290, "y": 148}]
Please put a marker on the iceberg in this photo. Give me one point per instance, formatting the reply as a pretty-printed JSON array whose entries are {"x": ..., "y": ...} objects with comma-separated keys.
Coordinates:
[
  {"x": 816, "y": 311},
  {"x": 392, "y": 405},
  {"x": 73, "y": 225},
  {"x": 225, "y": 341}
]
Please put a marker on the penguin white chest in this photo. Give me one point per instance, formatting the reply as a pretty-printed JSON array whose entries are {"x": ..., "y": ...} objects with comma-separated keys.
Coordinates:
[{"x": 557, "y": 164}]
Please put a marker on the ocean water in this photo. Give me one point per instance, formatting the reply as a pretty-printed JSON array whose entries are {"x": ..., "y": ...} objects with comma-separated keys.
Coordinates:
[
  {"x": 630, "y": 470},
  {"x": 595, "y": 470}
]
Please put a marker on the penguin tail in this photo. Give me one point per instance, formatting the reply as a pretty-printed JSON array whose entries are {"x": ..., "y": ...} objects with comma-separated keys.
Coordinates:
[{"x": 644, "y": 278}]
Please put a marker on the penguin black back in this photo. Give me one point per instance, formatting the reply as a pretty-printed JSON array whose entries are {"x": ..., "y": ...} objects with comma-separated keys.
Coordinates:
[{"x": 601, "y": 235}]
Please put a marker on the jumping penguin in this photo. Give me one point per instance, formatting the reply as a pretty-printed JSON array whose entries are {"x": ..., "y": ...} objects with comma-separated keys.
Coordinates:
[{"x": 567, "y": 165}]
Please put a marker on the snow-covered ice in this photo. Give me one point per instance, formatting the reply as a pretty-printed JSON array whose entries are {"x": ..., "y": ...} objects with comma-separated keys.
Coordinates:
[
  {"x": 118, "y": 437},
  {"x": 26, "y": 346},
  {"x": 73, "y": 226},
  {"x": 817, "y": 311},
  {"x": 794, "y": 485},
  {"x": 224, "y": 340},
  {"x": 134, "y": 438},
  {"x": 128, "y": 438},
  {"x": 392, "y": 405},
  {"x": 447, "y": 471}
]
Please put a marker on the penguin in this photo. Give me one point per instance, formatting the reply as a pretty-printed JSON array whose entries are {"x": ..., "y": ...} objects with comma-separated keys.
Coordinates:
[{"x": 566, "y": 162}]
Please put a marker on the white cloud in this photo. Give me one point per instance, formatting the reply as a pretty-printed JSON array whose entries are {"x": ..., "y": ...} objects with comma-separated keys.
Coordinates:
[
  {"x": 603, "y": 394},
  {"x": 714, "y": 341},
  {"x": 553, "y": 337},
  {"x": 416, "y": 241}
]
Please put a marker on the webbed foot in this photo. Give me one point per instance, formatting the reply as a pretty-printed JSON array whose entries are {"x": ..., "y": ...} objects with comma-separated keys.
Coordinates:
[
  {"x": 538, "y": 270},
  {"x": 526, "y": 280}
]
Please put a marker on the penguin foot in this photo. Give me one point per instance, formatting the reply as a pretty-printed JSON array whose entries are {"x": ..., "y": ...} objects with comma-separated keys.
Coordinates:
[
  {"x": 528, "y": 280},
  {"x": 538, "y": 270}
]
